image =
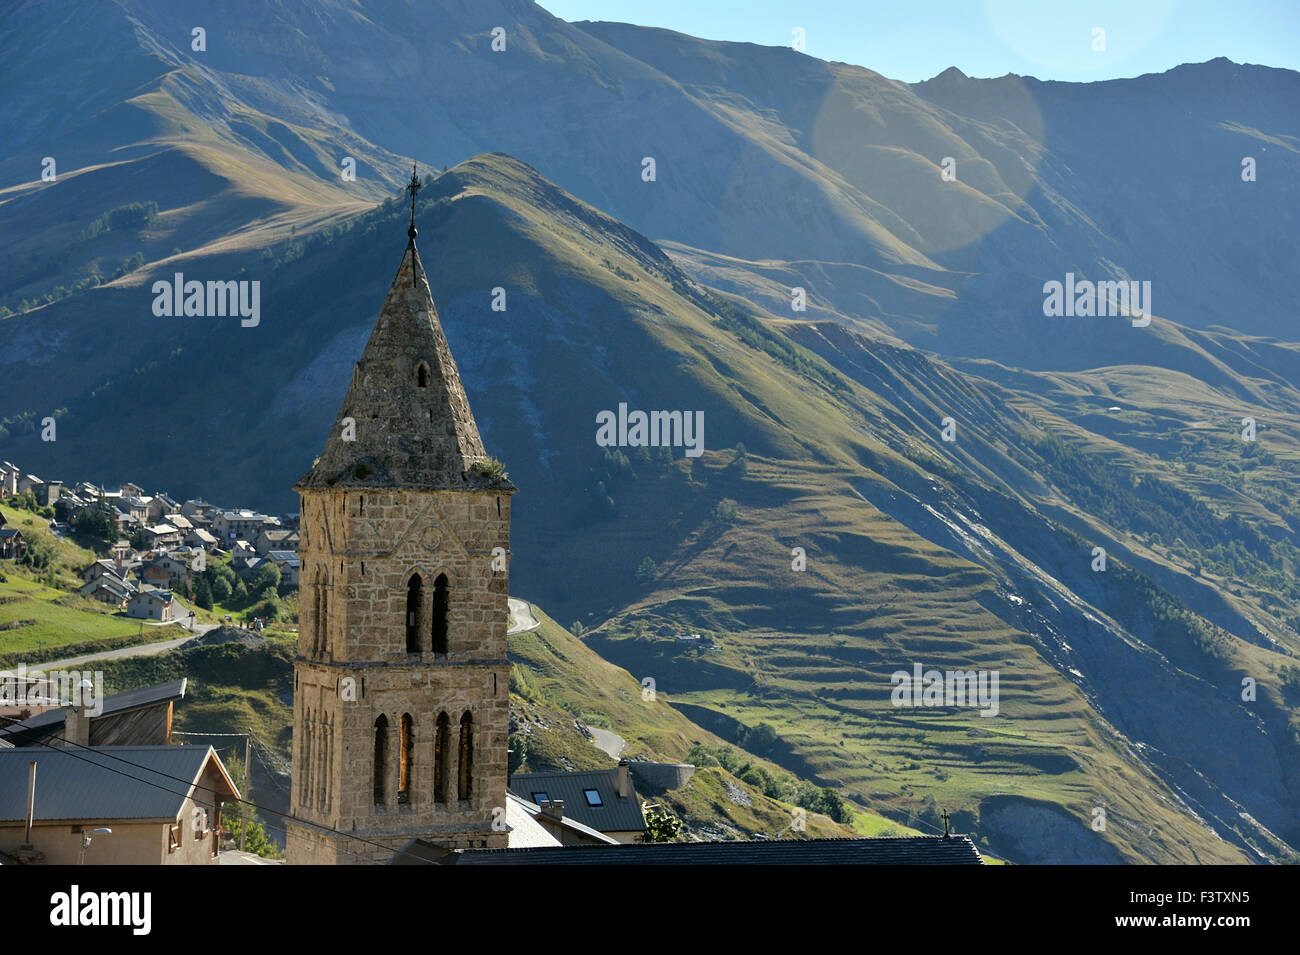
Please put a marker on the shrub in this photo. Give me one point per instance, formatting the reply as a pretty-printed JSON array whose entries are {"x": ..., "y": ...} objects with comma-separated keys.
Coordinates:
[
  {"x": 647, "y": 572},
  {"x": 489, "y": 468}
]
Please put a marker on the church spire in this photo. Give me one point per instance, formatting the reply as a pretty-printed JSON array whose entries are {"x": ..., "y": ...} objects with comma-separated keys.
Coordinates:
[
  {"x": 406, "y": 421},
  {"x": 413, "y": 187}
]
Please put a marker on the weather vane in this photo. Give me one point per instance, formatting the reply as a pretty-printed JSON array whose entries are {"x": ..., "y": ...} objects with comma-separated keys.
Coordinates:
[{"x": 412, "y": 187}]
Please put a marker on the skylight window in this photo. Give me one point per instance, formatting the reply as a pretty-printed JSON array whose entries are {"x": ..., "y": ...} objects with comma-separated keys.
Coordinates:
[
  {"x": 593, "y": 797},
  {"x": 540, "y": 798}
]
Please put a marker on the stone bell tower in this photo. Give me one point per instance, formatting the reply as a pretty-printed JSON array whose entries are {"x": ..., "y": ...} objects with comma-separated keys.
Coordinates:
[{"x": 401, "y": 688}]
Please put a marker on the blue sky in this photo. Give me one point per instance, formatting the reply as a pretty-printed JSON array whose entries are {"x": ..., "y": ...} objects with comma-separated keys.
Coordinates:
[{"x": 912, "y": 40}]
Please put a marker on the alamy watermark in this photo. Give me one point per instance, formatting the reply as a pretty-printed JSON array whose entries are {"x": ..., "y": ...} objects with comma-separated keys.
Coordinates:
[
  {"x": 1085, "y": 299},
  {"x": 213, "y": 299},
  {"x": 951, "y": 688},
  {"x": 79, "y": 688},
  {"x": 657, "y": 429}
]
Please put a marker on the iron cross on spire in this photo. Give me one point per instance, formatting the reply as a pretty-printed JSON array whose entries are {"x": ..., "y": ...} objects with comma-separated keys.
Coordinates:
[{"x": 413, "y": 187}]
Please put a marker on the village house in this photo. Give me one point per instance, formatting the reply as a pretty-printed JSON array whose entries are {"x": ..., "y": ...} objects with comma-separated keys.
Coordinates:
[
  {"x": 287, "y": 563},
  {"x": 109, "y": 589},
  {"x": 9, "y": 475},
  {"x": 28, "y": 482},
  {"x": 246, "y": 565},
  {"x": 157, "y": 576},
  {"x": 137, "y": 507},
  {"x": 197, "y": 507},
  {"x": 47, "y": 492},
  {"x": 154, "y": 819},
  {"x": 162, "y": 537},
  {"x": 275, "y": 538},
  {"x": 70, "y": 502},
  {"x": 177, "y": 568},
  {"x": 198, "y": 537},
  {"x": 12, "y": 544},
  {"x": 241, "y": 525},
  {"x": 605, "y": 800},
  {"x": 152, "y": 605},
  {"x": 103, "y": 567},
  {"x": 160, "y": 506},
  {"x": 130, "y": 490}
]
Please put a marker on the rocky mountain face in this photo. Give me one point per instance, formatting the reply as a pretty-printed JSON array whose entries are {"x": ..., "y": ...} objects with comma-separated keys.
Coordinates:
[{"x": 569, "y": 283}]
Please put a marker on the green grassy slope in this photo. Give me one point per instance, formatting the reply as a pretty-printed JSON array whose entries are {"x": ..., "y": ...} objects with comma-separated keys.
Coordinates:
[
  {"x": 43, "y": 618},
  {"x": 1116, "y": 691}
]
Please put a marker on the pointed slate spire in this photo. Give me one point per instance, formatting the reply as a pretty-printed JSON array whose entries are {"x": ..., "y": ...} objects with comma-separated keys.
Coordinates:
[{"x": 412, "y": 422}]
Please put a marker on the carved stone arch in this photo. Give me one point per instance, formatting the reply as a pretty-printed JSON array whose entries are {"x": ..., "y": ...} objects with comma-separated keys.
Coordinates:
[
  {"x": 441, "y": 756},
  {"x": 380, "y": 761},
  {"x": 465, "y": 759},
  {"x": 320, "y": 609},
  {"x": 416, "y": 612},
  {"x": 406, "y": 760},
  {"x": 443, "y": 599}
]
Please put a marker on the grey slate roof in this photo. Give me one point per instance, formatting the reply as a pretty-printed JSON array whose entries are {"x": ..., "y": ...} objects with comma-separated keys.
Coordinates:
[
  {"x": 74, "y": 783},
  {"x": 50, "y": 723},
  {"x": 616, "y": 815},
  {"x": 916, "y": 850},
  {"x": 406, "y": 436},
  {"x": 568, "y": 822}
]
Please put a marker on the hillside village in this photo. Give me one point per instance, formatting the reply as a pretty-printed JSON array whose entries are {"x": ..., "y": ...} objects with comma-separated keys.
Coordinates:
[{"x": 158, "y": 545}]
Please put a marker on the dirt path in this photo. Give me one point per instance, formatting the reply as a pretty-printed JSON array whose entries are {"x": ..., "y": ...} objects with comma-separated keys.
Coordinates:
[
  {"x": 521, "y": 616},
  {"x": 140, "y": 650},
  {"x": 611, "y": 743}
]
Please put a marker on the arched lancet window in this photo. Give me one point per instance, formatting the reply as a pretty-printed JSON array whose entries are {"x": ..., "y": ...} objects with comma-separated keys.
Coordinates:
[
  {"x": 307, "y": 746},
  {"x": 441, "y": 744},
  {"x": 414, "y": 597},
  {"x": 465, "y": 778},
  {"x": 440, "y": 614},
  {"x": 422, "y": 375},
  {"x": 381, "y": 757},
  {"x": 406, "y": 759},
  {"x": 322, "y": 611}
]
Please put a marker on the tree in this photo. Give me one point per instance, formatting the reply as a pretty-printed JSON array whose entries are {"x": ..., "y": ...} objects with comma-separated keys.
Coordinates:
[
  {"x": 740, "y": 461},
  {"x": 725, "y": 511},
  {"x": 257, "y": 841},
  {"x": 202, "y": 592},
  {"x": 96, "y": 525},
  {"x": 832, "y": 804},
  {"x": 646, "y": 572},
  {"x": 220, "y": 589},
  {"x": 517, "y": 753},
  {"x": 660, "y": 825},
  {"x": 267, "y": 579},
  {"x": 40, "y": 554}
]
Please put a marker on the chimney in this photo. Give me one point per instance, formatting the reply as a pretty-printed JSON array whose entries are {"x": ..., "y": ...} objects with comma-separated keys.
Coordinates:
[
  {"x": 76, "y": 726},
  {"x": 76, "y": 722},
  {"x": 622, "y": 781},
  {"x": 553, "y": 809}
]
